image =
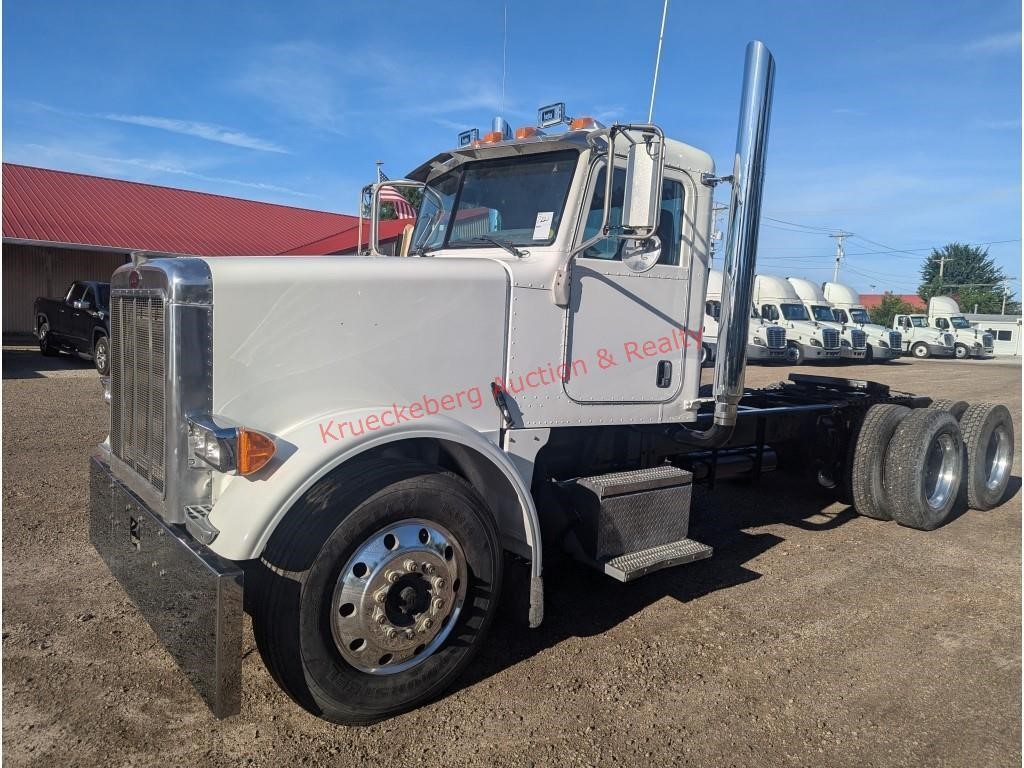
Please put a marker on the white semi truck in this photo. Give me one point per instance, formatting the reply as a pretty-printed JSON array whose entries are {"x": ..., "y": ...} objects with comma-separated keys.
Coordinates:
[
  {"x": 883, "y": 344},
  {"x": 807, "y": 338},
  {"x": 345, "y": 448},
  {"x": 944, "y": 313},
  {"x": 766, "y": 342},
  {"x": 921, "y": 339},
  {"x": 852, "y": 340}
]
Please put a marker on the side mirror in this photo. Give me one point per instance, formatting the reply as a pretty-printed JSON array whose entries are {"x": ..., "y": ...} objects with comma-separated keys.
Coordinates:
[
  {"x": 81, "y": 304},
  {"x": 645, "y": 164},
  {"x": 374, "y": 192}
]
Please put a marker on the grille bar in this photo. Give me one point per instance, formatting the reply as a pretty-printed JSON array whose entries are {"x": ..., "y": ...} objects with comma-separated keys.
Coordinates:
[
  {"x": 137, "y": 379},
  {"x": 776, "y": 337},
  {"x": 830, "y": 338},
  {"x": 858, "y": 339},
  {"x": 896, "y": 340}
]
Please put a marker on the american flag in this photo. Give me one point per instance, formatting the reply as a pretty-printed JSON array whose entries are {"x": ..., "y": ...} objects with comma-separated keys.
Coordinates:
[{"x": 403, "y": 210}]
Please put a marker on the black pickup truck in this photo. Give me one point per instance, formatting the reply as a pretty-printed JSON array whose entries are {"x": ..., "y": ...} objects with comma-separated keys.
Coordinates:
[{"x": 78, "y": 323}]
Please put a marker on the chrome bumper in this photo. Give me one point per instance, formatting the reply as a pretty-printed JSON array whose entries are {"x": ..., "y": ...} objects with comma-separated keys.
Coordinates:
[{"x": 191, "y": 597}]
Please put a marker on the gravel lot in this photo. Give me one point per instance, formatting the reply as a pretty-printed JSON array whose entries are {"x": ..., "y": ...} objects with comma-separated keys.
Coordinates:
[{"x": 812, "y": 637}]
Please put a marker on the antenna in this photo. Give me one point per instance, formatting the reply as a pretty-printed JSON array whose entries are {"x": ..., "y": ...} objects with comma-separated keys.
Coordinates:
[{"x": 657, "y": 62}]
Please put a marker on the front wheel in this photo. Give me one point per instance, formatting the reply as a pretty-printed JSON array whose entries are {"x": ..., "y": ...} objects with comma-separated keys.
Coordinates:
[
  {"x": 920, "y": 351},
  {"x": 961, "y": 352},
  {"x": 794, "y": 354},
  {"x": 45, "y": 342},
  {"x": 377, "y": 589},
  {"x": 101, "y": 355}
]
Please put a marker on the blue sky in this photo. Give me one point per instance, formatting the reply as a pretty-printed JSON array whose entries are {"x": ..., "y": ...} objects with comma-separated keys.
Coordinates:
[{"x": 898, "y": 121}]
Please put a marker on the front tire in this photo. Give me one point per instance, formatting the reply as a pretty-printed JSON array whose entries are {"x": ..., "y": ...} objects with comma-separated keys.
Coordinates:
[
  {"x": 920, "y": 351},
  {"x": 794, "y": 354},
  {"x": 101, "y": 355},
  {"x": 961, "y": 352},
  {"x": 377, "y": 589}
]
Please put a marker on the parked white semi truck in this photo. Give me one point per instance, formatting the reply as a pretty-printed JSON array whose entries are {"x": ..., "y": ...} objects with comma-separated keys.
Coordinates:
[
  {"x": 766, "y": 342},
  {"x": 808, "y": 339},
  {"x": 921, "y": 339},
  {"x": 883, "y": 344},
  {"x": 852, "y": 340},
  {"x": 347, "y": 447},
  {"x": 944, "y": 313}
]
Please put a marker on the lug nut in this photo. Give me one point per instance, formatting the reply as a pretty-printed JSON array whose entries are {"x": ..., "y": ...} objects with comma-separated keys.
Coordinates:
[
  {"x": 428, "y": 623},
  {"x": 380, "y": 595},
  {"x": 438, "y": 582},
  {"x": 392, "y": 633},
  {"x": 438, "y": 604},
  {"x": 409, "y": 633},
  {"x": 379, "y": 617},
  {"x": 393, "y": 576},
  {"x": 429, "y": 569},
  {"x": 411, "y": 566}
]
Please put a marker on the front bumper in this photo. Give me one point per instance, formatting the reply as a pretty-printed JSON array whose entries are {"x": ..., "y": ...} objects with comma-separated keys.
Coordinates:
[
  {"x": 849, "y": 353},
  {"x": 191, "y": 597},
  {"x": 757, "y": 352},
  {"x": 812, "y": 352}
]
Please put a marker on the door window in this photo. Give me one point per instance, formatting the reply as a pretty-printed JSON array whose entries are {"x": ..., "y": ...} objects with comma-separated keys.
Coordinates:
[
  {"x": 75, "y": 293},
  {"x": 713, "y": 308},
  {"x": 769, "y": 312},
  {"x": 90, "y": 297},
  {"x": 942, "y": 323},
  {"x": 670, "y": 225}
]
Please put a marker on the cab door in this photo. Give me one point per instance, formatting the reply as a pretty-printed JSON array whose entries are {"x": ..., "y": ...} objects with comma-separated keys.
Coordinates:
[{"x": 625, "y": 341}]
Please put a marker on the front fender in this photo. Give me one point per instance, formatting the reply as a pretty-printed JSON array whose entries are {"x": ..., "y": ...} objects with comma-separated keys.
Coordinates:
[{"x": 248, "y": 509}]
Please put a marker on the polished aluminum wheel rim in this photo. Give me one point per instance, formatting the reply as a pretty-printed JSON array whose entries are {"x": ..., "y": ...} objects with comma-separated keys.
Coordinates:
[
  {"x": 940, "y": 471},
  {"x": 997, "y": 458},
  {"x": 398, "y": 597},
  {"x": 101, "y": 356}
]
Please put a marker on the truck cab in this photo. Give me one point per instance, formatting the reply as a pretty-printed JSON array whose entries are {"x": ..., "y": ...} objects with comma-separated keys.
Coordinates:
[
  {"x": 945, "y": 315},
  {"x": 810, "y": 339},
  {"x": 853, "y": 340},
  {"x": 883, "y": 344},
  {"x": 766, "y": 342},
  {"x": 921, "y": 339}
]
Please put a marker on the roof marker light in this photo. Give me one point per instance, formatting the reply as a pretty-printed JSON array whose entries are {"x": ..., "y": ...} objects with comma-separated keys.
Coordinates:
[
  {"x": 493, "y": 137},
  {"x": 528, "y": 132},
  {"x": 584, "y": 124}
]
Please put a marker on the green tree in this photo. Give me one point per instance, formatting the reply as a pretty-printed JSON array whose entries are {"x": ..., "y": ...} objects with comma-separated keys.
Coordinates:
[
  {"x": 968, "y": 274},
  {"x": 890, "y": 306}
]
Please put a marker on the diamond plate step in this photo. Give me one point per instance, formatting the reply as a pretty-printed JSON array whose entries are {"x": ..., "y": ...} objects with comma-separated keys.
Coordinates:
[{"x": 636, "y": 564}]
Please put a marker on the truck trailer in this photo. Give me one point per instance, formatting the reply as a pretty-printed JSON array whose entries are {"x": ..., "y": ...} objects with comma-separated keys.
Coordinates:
[{"x": 348, "y": 449}]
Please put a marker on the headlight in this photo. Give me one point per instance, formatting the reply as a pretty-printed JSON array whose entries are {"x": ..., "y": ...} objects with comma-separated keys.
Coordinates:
[
  {"x": 815, "y": 343},
  {"x": 229, "y": 449},
  {"x": 759, "y": 341},
  {"x": 883, "y": 345}
]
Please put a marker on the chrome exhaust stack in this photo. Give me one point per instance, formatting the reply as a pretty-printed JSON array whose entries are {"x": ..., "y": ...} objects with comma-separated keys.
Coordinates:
[{"x": 741, "y": 244}]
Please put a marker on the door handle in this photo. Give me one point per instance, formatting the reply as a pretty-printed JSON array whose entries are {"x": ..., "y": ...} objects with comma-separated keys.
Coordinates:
[{"x": 664, "y": 374}]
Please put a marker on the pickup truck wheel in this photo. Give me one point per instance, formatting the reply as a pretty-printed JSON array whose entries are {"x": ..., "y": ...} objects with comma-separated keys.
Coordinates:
[
  {"x": 45, "y": 344},
  {"x": 101, "y": 355},
  {"x": 988, "y": 441},
  {"x": 956, "y": 407},
  {"x": 924, "y": 468},
  {"x": 961, "y": 352},
  {"x": 794, "y": 354},
  {"x": 866, "y": 459},
  {"x": 377, "y": 589},
  {"x": 920, "y": 351}
]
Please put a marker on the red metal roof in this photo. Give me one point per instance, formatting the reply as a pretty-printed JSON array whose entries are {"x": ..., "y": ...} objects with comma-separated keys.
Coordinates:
[
  {"x": 59, "y": 207},
  {"x": 346, "y": 240},
  {"x": 872, "y": 300}
]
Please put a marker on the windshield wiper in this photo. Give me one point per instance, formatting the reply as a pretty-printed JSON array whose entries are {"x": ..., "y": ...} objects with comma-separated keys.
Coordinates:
[{"x": 506, "y": 244}]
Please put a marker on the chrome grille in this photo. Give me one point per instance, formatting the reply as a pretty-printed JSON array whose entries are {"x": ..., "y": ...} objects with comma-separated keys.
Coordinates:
[
  {"x": 830, "y": 338},
  {"x": 137, "y": 375},
  {"x": 986, "y": 340},
  {"x": 776, "y": 337},
  {"x": 858, "y": 338},
  {"x": 895, "y": 340}
]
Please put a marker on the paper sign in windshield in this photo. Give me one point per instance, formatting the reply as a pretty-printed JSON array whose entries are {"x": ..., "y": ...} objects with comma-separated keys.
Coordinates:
[{"x": 542, "y": 228}]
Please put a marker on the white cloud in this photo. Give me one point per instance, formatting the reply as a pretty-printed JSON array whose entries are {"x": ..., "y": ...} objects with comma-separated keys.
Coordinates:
[
  {"x": 206, "y": 131},
  {"x": 1002, "y": 43}
]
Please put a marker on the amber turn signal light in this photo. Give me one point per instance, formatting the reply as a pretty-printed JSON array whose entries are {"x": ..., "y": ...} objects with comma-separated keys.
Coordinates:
[{"x": 254, "y": 451}]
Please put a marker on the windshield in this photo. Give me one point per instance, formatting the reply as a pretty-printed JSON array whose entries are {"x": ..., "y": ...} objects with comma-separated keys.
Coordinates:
[
  {"x": 822, "y": 313},
  {"x": 517, "y": 200},
  {"x": 860, "y": 316},
  {"x": 919, "y": 321},
  {"x": 794, "y": 311},
  {"x": 959, "y": 321}
]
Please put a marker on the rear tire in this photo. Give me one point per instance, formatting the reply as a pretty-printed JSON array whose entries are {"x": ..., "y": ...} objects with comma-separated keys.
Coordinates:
[
  {"x": 866, "y": 461},
  {"x": 988, "y": 444},
  {"x": 920, "y": 351},
  {"x": 305, "y": 610},
  {"x": 924, "y": 469},
  {"x": 956, "y": 407}
]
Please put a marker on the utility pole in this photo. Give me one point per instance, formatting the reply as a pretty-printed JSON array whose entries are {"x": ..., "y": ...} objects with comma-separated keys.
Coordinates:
[
  {"x": 840, "y": 253},
  {"x": 1006, "y": 290},
  {"x": 717, "y": 211}
]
